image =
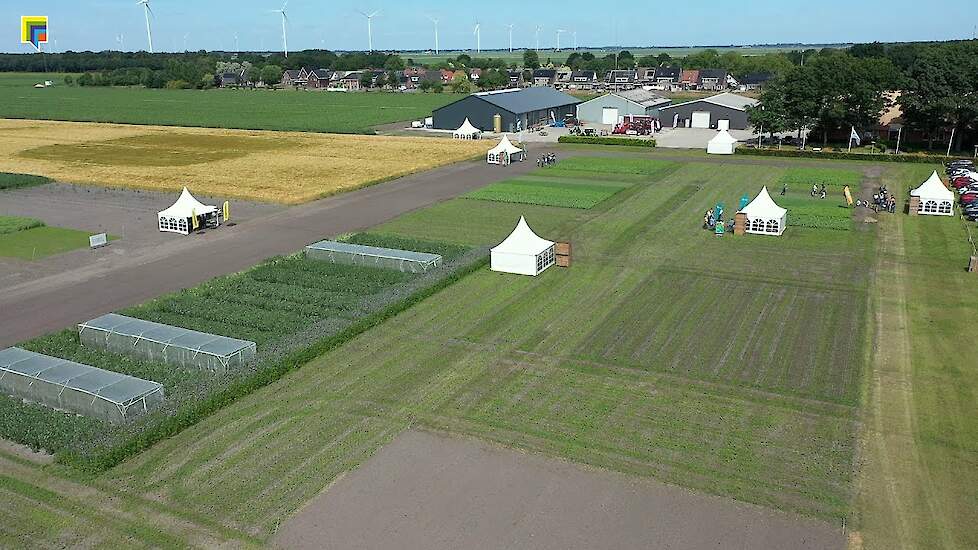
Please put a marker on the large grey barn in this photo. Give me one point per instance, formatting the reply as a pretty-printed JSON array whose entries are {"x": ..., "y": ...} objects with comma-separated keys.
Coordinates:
[
  {"x": 706, "y": 112},
  {"x": 610, "y": 108},
  {"x": 517, "y": 109}
]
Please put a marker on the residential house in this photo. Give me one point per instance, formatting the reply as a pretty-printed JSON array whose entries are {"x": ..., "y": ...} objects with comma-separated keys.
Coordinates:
[
  {"x": 475, "y": 75},
  {"x": 583, "y": 80},
  {"x": 349, "y": 81},
  {"x": 231, "y": 80},
  {"x": 544, "y": 77},
  {"x": 690, "y": 79},
  {"x": 290, "y": 78},
  {"x": 515, "y": 78},
  {"x": 713, "y": 79},
  {"x": 755, "y": 81},
  {"x": 644, "y": 76},
  {"x": 319, "y": 79},
  {"x": 564, "y": 76},
  {"x": 621, "y": 79},
  {"x": 667, "y": 78}
]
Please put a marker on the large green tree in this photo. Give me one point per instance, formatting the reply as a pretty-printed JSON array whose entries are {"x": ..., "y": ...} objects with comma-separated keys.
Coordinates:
[
  {"x": 942, "y": 90},
  {"x": 531, "y": 59}
]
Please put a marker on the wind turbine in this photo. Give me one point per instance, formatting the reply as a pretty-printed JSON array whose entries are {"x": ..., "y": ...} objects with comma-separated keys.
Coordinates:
[
  {"x": 539, "y": 28},
  {"x": 370, "y": 28},
  {"x": 285, "y": 35},
  {"x": 435, "y": 21},
  {"x": 185, "y": 36},
  {"x": 574, "y": 34},
  {"x": 559, "y": 32},
  {"x": 121, "y": 41},
  {"x": 478, "y": 37},
  {"x": 236, "y": 49},
  {"x": 510, "y": 27},
  {"x": 147, "y": 12}
]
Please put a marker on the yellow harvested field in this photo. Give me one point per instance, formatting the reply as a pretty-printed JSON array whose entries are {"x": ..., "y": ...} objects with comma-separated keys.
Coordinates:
[{"x": 282, "y": 167}]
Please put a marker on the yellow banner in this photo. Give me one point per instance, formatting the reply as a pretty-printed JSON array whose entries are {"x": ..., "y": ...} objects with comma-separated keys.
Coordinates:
[
  {"x": 194, "y": 221},
  {"x": 848, "y": 196},
  {"x": 227, "y": 211}
]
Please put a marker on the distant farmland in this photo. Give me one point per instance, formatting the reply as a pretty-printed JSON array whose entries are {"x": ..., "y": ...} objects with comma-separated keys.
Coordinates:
[{"x": 333, "y": 112}]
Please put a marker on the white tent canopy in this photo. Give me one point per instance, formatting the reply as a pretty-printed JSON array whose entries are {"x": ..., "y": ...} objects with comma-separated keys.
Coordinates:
[
  {"x": 178, "y": 218},
  {"x": 505, "y": 153},
  {"x": 467, "y": 131},
  {"x": 763, "y": 216},
  {"x": 722, "y": 144},
  {"x": 523, "y": 252},
  {"x": 935, "y": 198}
]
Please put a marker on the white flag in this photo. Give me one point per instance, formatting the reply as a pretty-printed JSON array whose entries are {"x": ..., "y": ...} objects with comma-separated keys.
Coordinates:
[{"x": 853, "y": 136}]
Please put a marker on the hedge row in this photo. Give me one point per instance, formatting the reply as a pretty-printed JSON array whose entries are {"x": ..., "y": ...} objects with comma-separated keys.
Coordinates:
[
  {"x": 597, "y": 140},
  {"x": 918, "y": 159},
  {"x": 10, "y": 181},
  {"x": 196, "y": 411}
]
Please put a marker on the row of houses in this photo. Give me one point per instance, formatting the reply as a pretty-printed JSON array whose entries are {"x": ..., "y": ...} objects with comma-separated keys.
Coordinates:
[{"x": 658, "y": 78}]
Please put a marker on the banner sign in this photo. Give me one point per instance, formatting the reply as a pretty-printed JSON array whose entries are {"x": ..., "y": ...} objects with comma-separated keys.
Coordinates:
[{"x": 96, "y": 241}]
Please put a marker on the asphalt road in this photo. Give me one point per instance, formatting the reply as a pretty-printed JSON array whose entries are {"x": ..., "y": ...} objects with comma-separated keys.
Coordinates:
[{"x": 54, "y": 302}]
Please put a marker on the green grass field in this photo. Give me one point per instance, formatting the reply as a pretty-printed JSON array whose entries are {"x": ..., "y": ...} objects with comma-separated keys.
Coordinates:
[
  {"x": 547, "y": 192},
  {"x": 38, "y": 242},
  {"x": 334, "y": 112},
  {"x": 12, "y": 181},
  {"x": 823, "y": 373},
  {"x": 13, "y": 224}
]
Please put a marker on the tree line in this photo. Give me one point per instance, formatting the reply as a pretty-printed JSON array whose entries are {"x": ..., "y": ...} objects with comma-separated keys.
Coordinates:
[{"x": 934, "y": 84}]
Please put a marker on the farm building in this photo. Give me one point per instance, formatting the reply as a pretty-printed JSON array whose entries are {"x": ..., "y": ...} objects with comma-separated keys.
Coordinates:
[
  {"x": 76, "y": 388},
  {"x": 516, "y": 109},
  {"x": 935, "y": 199},
  {"x": 372, "y": 256},
  {"x": 166, "y": 344},
  {"x": 763, "y": 217},
  {"x": 610, "y": 108},
  {"x": 523, "y": 252},
  {"x": 706, "y": 112}
]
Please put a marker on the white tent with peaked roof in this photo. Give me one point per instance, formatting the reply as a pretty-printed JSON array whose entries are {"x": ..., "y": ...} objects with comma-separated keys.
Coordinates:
[
  {"x": 467, "y": 131},
  {"x": 722, "y": 144},
  {"x": 505, "y": 153},
  {"x": 179, "y": 217},
  {"x": 523, "y": 252},
  {"x": 935, "y": 198},
  {"x": 763, "y": 216}
]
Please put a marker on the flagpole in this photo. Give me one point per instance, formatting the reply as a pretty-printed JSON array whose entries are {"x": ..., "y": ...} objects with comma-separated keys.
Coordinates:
[
  {"x": 950, "y": 142},
  {"x": 899, "y": 135}
]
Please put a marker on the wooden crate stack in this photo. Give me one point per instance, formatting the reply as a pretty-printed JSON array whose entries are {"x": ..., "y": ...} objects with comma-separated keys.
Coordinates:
[
  {"x": 973, "y": 265},
  {"x": 563, "y": 254},
  {"x": 740, "y": 223},
  {"x": 914, "y": 207}
]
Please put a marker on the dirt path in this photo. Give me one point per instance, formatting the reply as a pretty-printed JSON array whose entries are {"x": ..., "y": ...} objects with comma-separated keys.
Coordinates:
[
  {"x": 433, "y": 491},
  {"x": 891, "y": 494}
]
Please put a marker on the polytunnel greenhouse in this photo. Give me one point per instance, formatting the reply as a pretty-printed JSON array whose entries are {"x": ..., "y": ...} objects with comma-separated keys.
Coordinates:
[
  {"x": 76, "y": 388},
  {"x": 166, "y": 344},
  {"x": 373, "y": 256}
]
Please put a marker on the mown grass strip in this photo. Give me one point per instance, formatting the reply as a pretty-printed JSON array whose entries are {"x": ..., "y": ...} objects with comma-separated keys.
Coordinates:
[{"x": 566, "y": 195}]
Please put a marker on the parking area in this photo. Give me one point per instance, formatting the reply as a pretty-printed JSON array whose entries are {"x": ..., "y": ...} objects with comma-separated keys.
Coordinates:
[{"x": 127, "y": 215}]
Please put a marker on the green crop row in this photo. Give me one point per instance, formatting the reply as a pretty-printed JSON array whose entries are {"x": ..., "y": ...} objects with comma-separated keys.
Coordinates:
[
  {"x": 607, "y": 166},
  {"x": 13, "y": 224},
  {"x": 620, "y": 141},
  {"x": 10, "y": 181},
  {"x": 917, "y": 159},
  {"x": 567, "y": 195},
  {"x": 830, "y": 177},
  {"x": 448, "y": 251}
]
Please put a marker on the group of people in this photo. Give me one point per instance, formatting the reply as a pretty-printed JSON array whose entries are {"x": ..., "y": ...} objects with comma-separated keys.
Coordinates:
[
  {"x": 818, "y": 192},
  {"x": 884, "y": 200},
  {"x": 549, "y": 159},
  {"x": 713, "y": 221}
]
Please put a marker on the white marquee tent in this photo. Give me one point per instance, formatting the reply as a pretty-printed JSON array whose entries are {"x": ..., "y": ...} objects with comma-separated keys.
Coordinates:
[
  {"x": 935, "y": 198},
  {"x": 764, "y": 217},
  {"x": 505, "y": 153},
  {"x": 722, "y": 144},
  {"x": 523, "y": 252},
  {"x": 467, "y": 131},
  {"x": 179, "y": 217}
]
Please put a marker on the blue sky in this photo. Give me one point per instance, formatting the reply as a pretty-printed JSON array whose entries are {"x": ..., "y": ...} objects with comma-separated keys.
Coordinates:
[{"x": 335, "y": 24}]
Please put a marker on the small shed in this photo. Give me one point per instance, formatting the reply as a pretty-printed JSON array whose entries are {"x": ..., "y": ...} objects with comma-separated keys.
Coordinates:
[
  {"x": 76, "y": 388},
  {"x": 935, "y": 198},
  {"x": 166, "y": 344},
  {"x": 523, "y": 252},
  {"x": 708, "y": 111},
  {"x": 467, "y": 131},
  {"x": 505, "y": 153},
  {"x": 179, "y": 217},
  {"x": 372, "y": 256},
  {"x": 611, "y": 108},
  {"x": 763, "y": 216},
  {"x": 722, "y": 144}
]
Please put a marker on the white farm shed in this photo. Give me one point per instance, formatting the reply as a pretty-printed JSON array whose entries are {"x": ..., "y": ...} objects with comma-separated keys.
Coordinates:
[
  {"x": 467, "y": 131},
  {"x": 505, "y": 153},
  {"x": 722, "y": 144},
  {"x": 935, "y": 198},
  {"x": 179, "y": 217},
  {"x": 523, "y": 252},
  {"x": 610, "y": 108},
  {"x": 763, "y": 216}
]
